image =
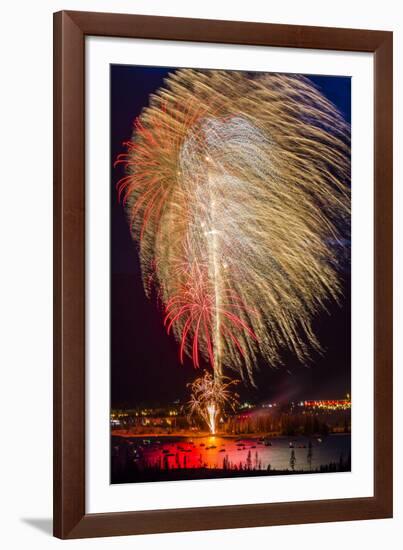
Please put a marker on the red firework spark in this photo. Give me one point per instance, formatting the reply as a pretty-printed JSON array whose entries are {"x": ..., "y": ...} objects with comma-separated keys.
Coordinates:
[{"x": 194, "y": 308}]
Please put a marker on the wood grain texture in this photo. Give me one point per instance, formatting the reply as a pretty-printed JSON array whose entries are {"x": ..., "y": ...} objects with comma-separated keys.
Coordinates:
[
  {"x": 70, "y": 29},
  {"x": 69, "y": 277}
]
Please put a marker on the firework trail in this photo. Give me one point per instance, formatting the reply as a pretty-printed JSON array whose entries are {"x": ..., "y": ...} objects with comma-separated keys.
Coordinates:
[{"x": 237, "y": 192}]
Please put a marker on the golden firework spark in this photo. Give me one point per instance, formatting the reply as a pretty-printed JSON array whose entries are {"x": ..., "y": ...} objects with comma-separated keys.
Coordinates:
[
  {"x": 210, "y": 396},
  {"x": 237, "y": 191}
]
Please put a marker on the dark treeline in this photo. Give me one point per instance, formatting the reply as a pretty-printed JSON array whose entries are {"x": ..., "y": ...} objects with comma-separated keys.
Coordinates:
[{"x": 257, "y": 421}]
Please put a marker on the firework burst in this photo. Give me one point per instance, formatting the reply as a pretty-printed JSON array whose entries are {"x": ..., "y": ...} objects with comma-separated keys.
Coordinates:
[
  {"x": 210, "y": 396},
  {"x": 237, "y": 192}
]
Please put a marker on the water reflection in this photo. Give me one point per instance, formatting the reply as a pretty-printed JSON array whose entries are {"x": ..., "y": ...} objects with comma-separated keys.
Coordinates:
[{"x": 229, "y": 453}]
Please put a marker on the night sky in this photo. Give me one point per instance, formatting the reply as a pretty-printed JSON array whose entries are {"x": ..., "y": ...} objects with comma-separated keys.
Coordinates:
[{"x": 145, "y": 369}]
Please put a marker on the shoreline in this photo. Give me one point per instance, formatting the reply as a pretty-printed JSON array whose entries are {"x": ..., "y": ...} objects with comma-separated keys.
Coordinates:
[
  {"x": 190, "y": 435},
  {"x": 202, "y": 435}
]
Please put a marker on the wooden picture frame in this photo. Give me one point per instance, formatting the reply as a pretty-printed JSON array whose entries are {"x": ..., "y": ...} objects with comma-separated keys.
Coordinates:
[{"x": 70, "y": 517}]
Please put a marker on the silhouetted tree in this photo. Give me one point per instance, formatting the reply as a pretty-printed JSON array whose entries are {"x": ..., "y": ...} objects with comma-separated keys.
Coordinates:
[
  {"x": 249, "y": 461},
  {"x": 293, "y": 460},
  {"x": 309, "y": 455}
]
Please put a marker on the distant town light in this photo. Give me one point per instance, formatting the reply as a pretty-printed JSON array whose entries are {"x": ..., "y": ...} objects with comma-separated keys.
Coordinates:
[{"x": 328, "y": 404}]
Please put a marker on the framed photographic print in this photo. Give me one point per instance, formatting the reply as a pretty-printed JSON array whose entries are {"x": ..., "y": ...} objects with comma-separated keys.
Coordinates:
[{"x": 223, "y": 274}]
